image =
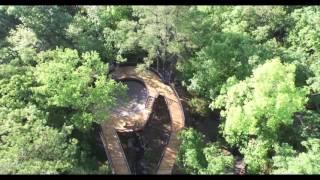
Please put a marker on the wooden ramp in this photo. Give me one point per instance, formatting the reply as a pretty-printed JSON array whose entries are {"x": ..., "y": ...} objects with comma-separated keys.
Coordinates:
[
  {"x": 116, "y": 156},
  {"x": 177, "y": 123},
  {"x": 155, "y": 87},
  {"x": 169, "y": 157}
]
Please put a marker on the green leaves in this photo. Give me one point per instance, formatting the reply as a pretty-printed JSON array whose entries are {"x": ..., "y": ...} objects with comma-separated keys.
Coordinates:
[
  {"x": 48, "y": 22},
  {"x": 15, "y": 85},
  {"x": 289, "y": 162},
  {"x": 227, "y": 55},
  {"x": 190, "y": 155},
  {"x": 6, "y": 22},
  {"x": 256, "y": 155},
  {"x": 304, "y": 34},
  {"x": 261, "y": 103},
  {"x": 150, "y": 37},
  {"x": 199, "y": 106},
  {"x": 28, "y": 146},
  {"x": 54, "y": 85},
  {"x": 257, "y": 107},
  {"x": 310, "y": 125},
  {"x": 42, "y": 105},
  {"x": 92, "y": 29},
  {"x": 314, "y": 81},
  {"x": 78, "y": 83},
  {"x": 196, "y": 157},
  {"x": 219, "y": 161}
]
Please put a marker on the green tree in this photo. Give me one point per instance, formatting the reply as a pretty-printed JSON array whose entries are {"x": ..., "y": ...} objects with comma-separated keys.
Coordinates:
[
  {"x": 256, "y": 108},
  {"x": 303, "y": 39},
  {"x": 196, "y": 157},
  {"x": 87, "y": 28},
  {"x": 48, "y": 22},
  {"x": 256, "y": 156},
  {"x": 23, "y": 43},
  {"x": 7, "y": 22},
  {"x": 260, "y": 104},
  {"x": 219, "y": 161},
  {"x": 288, "y": 161},
  {"x": 15, "y": 83},
  {"x": 315, "y": 80},
  {"x": 28, "y": 146},
  {"x": 199, "y": 106},
  {"x": 25, "y": 148},
  {"x": 190, "y": 155},
  {"x": 227, "y": 55},
  {"x": 76, "y": 82},
  {"x": 260, "y": 22},
  {"x": 154, "y": 33}
]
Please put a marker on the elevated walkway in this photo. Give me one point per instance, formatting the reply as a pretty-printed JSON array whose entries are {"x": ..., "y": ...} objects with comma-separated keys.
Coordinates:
[{"x": 155, "y": 87}]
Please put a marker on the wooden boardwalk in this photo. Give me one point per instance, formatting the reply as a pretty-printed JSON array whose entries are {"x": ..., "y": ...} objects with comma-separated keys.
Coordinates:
[
  {"x": 155, "y": 87},
  {"x": 114, "y": 149}
]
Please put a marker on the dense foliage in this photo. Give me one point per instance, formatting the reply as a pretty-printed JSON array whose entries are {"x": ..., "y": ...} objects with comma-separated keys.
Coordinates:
[
  {"x": 199, "y": 158},
  {"x": 50, "y": 97},
  {"x": 258, "y": 66},
  {"x": 262, "y": 102}
]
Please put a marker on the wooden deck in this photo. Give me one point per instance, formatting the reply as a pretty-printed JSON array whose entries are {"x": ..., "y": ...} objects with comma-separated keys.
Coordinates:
[
  {"x": 114, "y": 149},
  {"x": 155, "y": 87}
]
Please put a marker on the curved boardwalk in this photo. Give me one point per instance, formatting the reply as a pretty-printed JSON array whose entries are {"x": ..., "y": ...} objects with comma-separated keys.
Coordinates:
[{"x": 155, "y": 87}]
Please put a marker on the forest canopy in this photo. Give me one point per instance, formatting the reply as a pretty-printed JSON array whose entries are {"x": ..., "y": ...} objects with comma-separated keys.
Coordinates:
[{"x": 258, "y": 67}]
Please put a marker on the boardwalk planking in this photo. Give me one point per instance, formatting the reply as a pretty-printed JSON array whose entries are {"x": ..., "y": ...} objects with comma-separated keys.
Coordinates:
[{"x": 155, "y": 87}]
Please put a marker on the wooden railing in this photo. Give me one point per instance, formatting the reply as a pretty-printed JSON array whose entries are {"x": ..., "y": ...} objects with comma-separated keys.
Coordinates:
[
  {"x": 124, "y": 155},
  {"x": 181, "y": 110},
  {"x": 165, "y": 147},
  {"x": 107, "y": 152},
  {"x": 179, "y": 101},
  {"x": 106, "y": 149},
  {"x": 149, "y": 105}
]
